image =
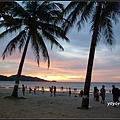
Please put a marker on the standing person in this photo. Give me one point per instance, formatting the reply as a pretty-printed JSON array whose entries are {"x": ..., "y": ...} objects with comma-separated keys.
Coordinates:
[
  {"x": 23, "y": 89},
  {"x": 54, "y": 91},
  {"x": 35, "y": 90},
  {"x": 102, "y": 94},
  {"x": 96, "y": 94},
  {"x": 116, "y": 94},
  {"x": 69, "y": 91},
  {"x": 81, "y": 93},
  {"x": 30, "y": 89},
  {"x": 51, "y": 90},
  {"x": 43, "y": 90}
]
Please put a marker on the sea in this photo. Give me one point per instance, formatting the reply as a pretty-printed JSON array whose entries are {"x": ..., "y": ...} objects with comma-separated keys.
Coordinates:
[{"x": 61, "y": 86}]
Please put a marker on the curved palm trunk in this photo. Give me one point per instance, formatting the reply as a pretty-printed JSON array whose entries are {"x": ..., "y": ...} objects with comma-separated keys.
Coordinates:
[
  {"x": 85, "y": 99},
  {"x": 15, "y": 89}
]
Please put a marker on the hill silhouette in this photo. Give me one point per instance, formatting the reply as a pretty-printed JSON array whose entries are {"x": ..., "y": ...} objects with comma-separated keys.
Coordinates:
[{"x": 22, "y": 78}]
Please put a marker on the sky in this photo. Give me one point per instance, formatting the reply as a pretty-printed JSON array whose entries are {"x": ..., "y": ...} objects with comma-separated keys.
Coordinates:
[{"x": 69, "y": 65}]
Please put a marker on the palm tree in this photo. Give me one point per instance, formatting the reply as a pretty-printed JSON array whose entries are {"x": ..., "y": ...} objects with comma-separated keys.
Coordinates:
[
  {"x": 36, "y": 24},
  {"x": 101, "y": 16}
]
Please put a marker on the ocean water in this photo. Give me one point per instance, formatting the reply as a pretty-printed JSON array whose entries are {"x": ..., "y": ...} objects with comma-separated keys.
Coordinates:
[{"x": 75, "y": 86}]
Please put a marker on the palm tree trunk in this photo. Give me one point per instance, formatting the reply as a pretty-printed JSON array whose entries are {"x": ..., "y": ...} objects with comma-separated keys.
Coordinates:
[
  {"x": 85, "y": 99},
  {"x": 15, "y": 89}
]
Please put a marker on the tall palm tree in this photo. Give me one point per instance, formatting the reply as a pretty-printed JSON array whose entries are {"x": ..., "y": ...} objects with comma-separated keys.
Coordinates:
[
  {"x": 101, "y": 16},
  {"x": 36, "y": 22}
]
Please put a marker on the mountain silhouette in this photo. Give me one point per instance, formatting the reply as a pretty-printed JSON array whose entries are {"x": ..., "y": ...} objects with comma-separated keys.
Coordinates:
[{"x": 22, "y": 78}]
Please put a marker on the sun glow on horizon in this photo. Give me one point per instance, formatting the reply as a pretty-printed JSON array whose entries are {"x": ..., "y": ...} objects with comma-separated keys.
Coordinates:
[
  {"x": 57, "y": 78},
  {"x": 65, "y": 78},
  {"x": 62, "y": 78}
]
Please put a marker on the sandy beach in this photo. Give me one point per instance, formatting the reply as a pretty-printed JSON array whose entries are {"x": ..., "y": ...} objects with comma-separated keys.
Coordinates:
[{"x": 61, "y": 106}]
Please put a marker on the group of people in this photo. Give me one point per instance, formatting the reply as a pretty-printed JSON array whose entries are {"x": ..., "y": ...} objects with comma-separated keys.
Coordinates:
[
  {"x": 115, "y": 92},
  {"x": 30, "y": 89},
  {"x": 97, "y": 93},
  {"x": 102, "y": 94},
  {"x": 53, "y": 89}
]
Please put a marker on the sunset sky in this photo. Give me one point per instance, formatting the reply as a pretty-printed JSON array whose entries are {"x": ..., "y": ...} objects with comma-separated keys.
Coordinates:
[{"x": 69, "y": 65}]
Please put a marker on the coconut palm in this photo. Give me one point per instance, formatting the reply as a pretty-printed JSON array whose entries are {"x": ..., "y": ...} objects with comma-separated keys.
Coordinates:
[
  {"x": 35, "y": 22},
  {"x": 101, "y": 16}
]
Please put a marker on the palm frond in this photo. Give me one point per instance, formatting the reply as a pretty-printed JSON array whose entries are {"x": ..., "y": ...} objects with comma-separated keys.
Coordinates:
[
  {"x": 7, "y": 7},
  {"x": 59, "y": 6},
  {"x": 39, "y": 46},
  {"x": 57, "y": 13},
  {"x": 109, "y": 15},
  {"x": 8, "y": 19},
  {"x": 22, "y": 35},
  {"x": 54, "y": 30},
  {"x": 7, "y": 25},
  {"x": 69, "y": 7},
  {"x": 35, "y": 46},
  {"x": 85, "y": 15},
  {"x": 12, "y": 45},
  {"x": 3, "y": 24},
  {"x": 67, "y": 24},
  {"x": 20, "y": 11},
  {"x": 111, "y": 10},
  {"x": 108, "y": 32},
  {"x": 76, "y": 9},
  {"x": 10, "y": 30},
  {"x": 49, "y": 13}
]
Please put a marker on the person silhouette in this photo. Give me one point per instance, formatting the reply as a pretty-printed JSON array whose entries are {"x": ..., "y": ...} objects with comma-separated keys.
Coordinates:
[
  {"x": 51, "y": 90},
  {"x": 116, "y": 94},
  {"x": 23, "y": 89},
  {"x": 69, "y": 91},
  {"x": 81, "y": 93},
  {"x": 43, "y": 90},
  {"x": 96, "y": 94},
  {"x": 54, "y": 91},
  {"x": 102, "y": 94}
]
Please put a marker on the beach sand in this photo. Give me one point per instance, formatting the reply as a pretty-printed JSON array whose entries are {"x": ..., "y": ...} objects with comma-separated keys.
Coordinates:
[{"x": 61, "y": 106}]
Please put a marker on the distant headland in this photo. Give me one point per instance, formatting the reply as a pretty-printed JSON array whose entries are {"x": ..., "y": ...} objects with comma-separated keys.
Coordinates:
[{"x": 23, "y": 78}]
